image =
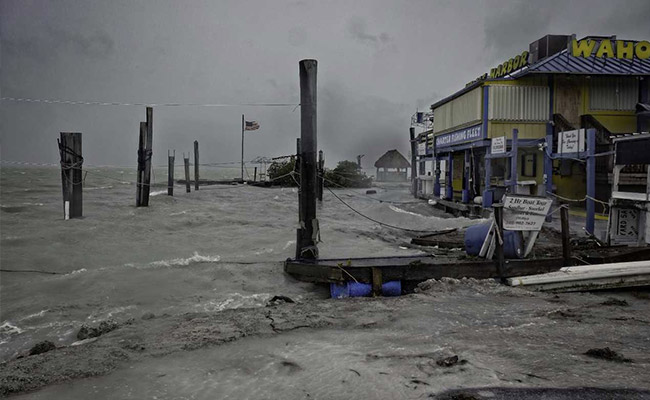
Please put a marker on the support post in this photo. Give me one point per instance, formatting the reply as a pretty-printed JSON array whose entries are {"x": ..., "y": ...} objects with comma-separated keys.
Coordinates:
[
  {"x": 308, "y": 148},
  {"x": 566, "y": 234},
  {"x": 513, "y": 161},
  {"x": 141, "y": 157},
  {"x": 186, "y": 161},
  {"x": 255, "y": 175},
  {"x": 466, "y": 171},
  {"x": 487, "y": 192},
  {"x": 148, "y": 154},
  {"x": 71, "y": 174},
  {"x": 548, "y": 168},
  {"x": 591, "y": 180},
  {"x": 436, "y": 171},
  {"x": 196, "y": 165},
  {"x": 414, "y": 190},
  {"x": 243, "y": 123},
  {"x": 170, "y": 172},
  {"x": 377, "y": 280},
  {"x": 321, "y": 175},
  {"x": 498, "y": 216},
  {"x": 296, "y": 168}
]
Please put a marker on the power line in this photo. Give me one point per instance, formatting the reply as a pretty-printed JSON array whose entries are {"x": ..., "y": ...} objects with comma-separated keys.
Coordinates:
[
  {"x": 374, "y": 220},
  {"x": 115, "y": 103}
]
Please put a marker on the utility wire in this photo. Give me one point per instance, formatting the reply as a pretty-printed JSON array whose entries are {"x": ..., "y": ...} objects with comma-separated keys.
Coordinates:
[
  {"x": 115, "y": 103},
  {"x": 374, "y": 220}
]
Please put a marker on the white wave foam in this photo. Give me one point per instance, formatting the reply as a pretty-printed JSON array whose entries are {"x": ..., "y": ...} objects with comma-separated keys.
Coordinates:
[
  {"x": 9, "y": 328},
  {"x": 236, "y": 300},
  {"x": 99, "y": 188},
  {"x": 35, "y": 315},
  {"x": 158, "y": 192},
  {"x": 289, "y": 243},
  {"x": 196, "y": 258}
]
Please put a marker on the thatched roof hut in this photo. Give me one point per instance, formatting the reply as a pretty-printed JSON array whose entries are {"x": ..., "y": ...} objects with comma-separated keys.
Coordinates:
[
  {"x": 392, "y": 159},
  {"x": 395, "y": 161}
]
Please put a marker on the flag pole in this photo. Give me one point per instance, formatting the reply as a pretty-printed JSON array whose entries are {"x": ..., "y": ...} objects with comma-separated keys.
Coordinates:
[{"x": 242, "y": 147}]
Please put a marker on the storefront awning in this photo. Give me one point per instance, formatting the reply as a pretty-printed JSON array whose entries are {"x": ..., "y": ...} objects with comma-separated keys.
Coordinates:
[{"x": 563, "y": 63}]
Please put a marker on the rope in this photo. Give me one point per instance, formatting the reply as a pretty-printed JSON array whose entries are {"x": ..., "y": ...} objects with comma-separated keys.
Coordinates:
[
  {"x": 604, "y": 204},
  {"x": 366, "y": 196},
  {"x": 374, "y": 220},
  {"x": 114, "y": 103}
]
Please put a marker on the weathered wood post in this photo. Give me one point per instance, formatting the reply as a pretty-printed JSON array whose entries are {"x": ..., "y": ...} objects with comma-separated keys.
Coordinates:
[
  {"x": 186, "y": 161},
  {"x": 145, "y": 153},
  {"x": 148, "y": 156},
  {"x": 498, "y": 216},
  {"x": 71, "y": 174},
  {"x": 141, "y": 156},
  {"x": 296, "y": 170},
  {"x": 413, "y": 161},
  {"x": 255, "y": 175},
  {"x": 321, "y": 175},
  {"x": 308, "y": 149},
  {"x": 566, "y": 235},
  {"x": 196, "y": 165},
  {"x": 170, "y": 173}
]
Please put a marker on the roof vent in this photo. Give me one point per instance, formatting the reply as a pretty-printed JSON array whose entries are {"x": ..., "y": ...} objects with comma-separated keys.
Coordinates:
[{"x": 547, "y": 46}]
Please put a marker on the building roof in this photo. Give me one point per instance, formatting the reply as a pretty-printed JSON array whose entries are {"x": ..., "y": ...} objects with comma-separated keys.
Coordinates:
[
  {"x": 563, "y": 63},
  {"x": 392, "y": 159}
]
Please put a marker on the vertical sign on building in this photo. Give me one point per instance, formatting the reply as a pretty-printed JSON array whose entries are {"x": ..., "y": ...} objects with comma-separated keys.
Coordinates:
[{"x": 498, "y": 145}]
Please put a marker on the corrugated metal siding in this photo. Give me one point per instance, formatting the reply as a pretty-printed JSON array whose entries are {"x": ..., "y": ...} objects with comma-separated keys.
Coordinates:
[
  {"x": 460, "y": 111},
  {"x": 615, "y": 93},
  {"x": 518, "y": 103}
]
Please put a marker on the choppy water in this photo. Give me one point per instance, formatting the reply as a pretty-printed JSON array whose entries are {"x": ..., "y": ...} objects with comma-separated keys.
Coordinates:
[{"x": 221, "y": 247}]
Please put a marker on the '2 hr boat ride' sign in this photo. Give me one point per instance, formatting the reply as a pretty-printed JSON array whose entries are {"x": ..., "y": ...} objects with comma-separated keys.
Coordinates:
[{"x": 525, "y": 213}]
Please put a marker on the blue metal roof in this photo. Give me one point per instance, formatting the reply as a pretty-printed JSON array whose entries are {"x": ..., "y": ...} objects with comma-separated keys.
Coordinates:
[{"x": 563, "y": 63}]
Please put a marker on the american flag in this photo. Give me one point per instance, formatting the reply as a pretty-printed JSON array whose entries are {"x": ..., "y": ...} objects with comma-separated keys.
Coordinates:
[{"x": 251, "y": 126}]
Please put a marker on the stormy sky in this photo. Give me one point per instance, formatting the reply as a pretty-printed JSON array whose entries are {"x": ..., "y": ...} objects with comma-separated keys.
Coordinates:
[{"x": 378, "y": 62}]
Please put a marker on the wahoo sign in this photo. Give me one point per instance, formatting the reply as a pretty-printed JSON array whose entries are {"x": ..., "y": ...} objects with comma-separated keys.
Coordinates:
[{"x": 606, "y": 48}]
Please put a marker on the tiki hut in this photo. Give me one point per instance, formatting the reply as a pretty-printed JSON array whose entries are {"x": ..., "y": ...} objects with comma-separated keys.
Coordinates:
[{"x": 392, "y": 167}]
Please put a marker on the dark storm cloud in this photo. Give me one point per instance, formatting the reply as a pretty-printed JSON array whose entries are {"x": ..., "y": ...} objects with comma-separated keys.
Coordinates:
[
  {"x": 511, "y": 26},
  {"x": 357, "y": 28},
  {"x": 53, "y": 41}
]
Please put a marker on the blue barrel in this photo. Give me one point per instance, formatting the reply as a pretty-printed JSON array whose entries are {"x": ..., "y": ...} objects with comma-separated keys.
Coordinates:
[
  {"x": 513, "y": 243},
  {"x": 474, "y": 238},
  {"x": 356, "y": 289}
]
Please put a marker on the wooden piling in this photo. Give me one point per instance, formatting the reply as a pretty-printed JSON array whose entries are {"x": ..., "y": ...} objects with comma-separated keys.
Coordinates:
[
  {"x": 308, "y": 149},
  {"x": 196, "y": 165},
  {"x": 141, "y": 156},
  {"x": 500, "y": 256},
  {"x": 566, "y": 236},
  {"x": 321, "y": 176},
  {"x": 71, "y": 174},
  {"x": 255, "y": 175},
  {"x": 146, "y": 184},
  {"x": 296, "y": 169},
  {"x": 170, "y": 172},
  {"x": 186, "y": 161}
]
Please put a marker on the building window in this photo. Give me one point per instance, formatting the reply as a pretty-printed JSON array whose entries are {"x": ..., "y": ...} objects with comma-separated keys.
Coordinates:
[{"x": 617, "y": 93}]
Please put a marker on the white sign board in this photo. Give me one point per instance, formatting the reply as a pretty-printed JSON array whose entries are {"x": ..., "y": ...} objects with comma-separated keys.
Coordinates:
[
  {"x": 525, "y": 213},
  {"x": 422, "y": 149},
  {"x": 498, "y": 145},
  {"x": 572, "y": 141},
  {"x": 626, "y": 226}
]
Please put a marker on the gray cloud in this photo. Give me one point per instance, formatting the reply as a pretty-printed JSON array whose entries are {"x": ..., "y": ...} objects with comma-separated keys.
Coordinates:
[{"x": 358, "y": 30}]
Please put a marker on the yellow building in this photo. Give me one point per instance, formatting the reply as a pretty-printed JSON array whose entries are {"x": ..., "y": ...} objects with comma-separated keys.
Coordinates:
[{"x": 560, "y": 84}]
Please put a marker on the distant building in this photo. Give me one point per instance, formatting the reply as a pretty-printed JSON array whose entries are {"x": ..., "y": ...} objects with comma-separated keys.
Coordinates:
[
  {"x": 559, "y": 84},
  {"x": 392, "y": 167}
]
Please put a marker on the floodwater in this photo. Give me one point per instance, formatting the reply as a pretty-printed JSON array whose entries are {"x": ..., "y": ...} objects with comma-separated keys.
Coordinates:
[
  {"x": 208, "y": 250},
  {"x": 203, "y": 266}
]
